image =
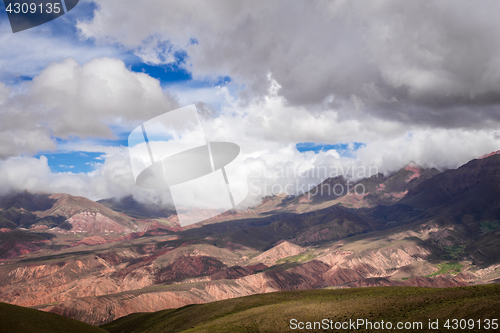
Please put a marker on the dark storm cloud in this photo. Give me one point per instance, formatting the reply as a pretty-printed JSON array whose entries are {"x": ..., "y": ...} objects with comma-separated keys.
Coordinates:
[{"x": 432, "y": 62}]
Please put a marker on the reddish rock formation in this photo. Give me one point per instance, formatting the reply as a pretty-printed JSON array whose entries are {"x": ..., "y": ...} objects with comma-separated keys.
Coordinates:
[
  {"x": 434, "y": 282},
  {"x": 237, "y": 272},
  {"x": 185, "y": 267},
  {"x": 282, "y": 250},
  {"x": 12, "y": 249},
  {"x": 415, "y": 171},
  {"x": 92, "y": 222},
  {"x": 94, "y": 240}
]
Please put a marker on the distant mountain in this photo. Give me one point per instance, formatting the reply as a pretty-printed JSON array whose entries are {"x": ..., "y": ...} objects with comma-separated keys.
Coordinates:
[
  {"x": 128, "y": 205},
  {"x": 329, "y": 189},
  {"x": 29, "y": 222},
  {"x": 385, "y": 190},
  {"x": 473, "y": 189},
  {"x": 64, "y": 212},
  {"x": 376, "y": 190},
  {"x": 97, "y": 262},
  {"x": 19, "y": 209}
]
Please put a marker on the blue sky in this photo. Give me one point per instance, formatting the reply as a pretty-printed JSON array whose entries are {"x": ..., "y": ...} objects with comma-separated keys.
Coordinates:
[
  {"x": 174, "y": 73},
  {"x": 76, "y": 161},
  {"x": 344, "y": 149}
]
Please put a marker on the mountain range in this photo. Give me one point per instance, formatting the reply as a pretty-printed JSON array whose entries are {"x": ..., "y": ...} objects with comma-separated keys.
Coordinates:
[{"x": 100, "y": 261}]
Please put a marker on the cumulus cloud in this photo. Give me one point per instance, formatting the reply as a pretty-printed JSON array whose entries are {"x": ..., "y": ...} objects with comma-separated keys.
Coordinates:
[
  {"x": 113, "y": 178},
  {"x": 26, "y": 53},
  {"x": 435, "y": 64},
  {"x": 71, "y": 100},
  {"x": 89, "y": 98},
  {"x": 20, "y": 133}
]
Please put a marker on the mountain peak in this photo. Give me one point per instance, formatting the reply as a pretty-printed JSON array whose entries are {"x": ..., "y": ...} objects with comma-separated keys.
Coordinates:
[
  {"x": 414, "y": 168},
  {"x": 490, "y": 154}
]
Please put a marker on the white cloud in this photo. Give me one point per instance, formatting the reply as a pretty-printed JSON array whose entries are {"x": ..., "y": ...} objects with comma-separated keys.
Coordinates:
[
  {"x": 27, "y": 53},
  {"x": 407, "y": 62},
  {"x": 71, "y": 100},
  {"x": 430, "y": 148},
  {"x": 102, "y": 92},
  {"x": 113, "y": 178}
]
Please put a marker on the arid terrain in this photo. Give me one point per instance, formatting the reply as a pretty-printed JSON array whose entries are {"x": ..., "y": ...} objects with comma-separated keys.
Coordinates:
[{"x": 99, "y": 261}]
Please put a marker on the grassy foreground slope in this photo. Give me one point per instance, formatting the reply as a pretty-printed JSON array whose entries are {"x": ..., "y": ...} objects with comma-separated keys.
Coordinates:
[
  {"x": 272, "y": 312},
  {"x": 15, "y": 318}
]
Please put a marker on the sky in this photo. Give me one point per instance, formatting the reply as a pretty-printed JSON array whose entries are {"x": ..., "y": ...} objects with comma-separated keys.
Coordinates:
[{"x": 298, "y": 85}]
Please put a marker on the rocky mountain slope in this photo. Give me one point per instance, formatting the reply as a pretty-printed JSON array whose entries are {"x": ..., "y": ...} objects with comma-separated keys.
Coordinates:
[{"x": 61, "y": 213}]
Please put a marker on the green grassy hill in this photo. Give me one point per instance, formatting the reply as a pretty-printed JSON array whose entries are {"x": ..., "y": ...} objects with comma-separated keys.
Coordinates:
[
  {"x": 15, "y": 319},
  {"x": 273, "y": 312}
]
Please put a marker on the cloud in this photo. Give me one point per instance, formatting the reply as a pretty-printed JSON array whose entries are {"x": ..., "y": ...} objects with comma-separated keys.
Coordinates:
[
  {"x": 26, "y": 53},
  {"x": 268, "y": 129},
  {"x": 20, "y": 133},
  {"x": 68, "y": 100},
  {"x": 273, "y": 163},
  {"x": 435, "y": 64},
  {"x": 113, "y": 178},
  {"x": 100, "y": 93}
]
